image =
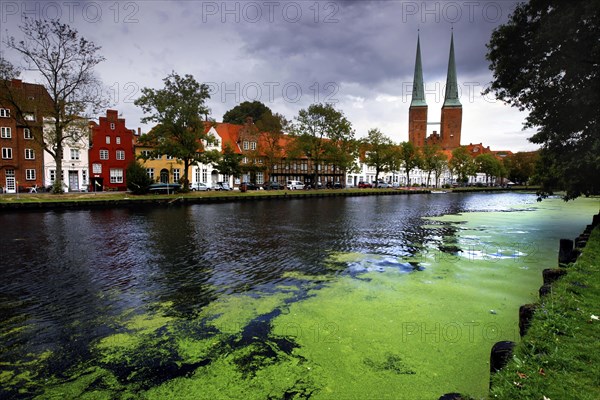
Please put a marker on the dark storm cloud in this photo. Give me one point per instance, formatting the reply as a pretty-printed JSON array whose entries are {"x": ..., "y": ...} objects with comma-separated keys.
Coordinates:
[{"x": 370, "y": 42}]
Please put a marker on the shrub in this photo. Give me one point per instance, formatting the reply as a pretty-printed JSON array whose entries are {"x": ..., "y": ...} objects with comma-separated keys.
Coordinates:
[{"x": 137, "y": 178}]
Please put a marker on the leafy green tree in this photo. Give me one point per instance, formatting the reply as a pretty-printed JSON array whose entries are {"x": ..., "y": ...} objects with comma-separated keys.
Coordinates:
[
  {"x": 65, "y": 62},
  {"x": 409, "y": 158},
  {"x": 462, "y": 164},
  {"x": 439, "y": 165},
  {"x": 546, "y": 60},
  {"x": 137, "y": 178},
  {"x": 240, "y": 113},
  {"x": 314, "y": 126},
  {"x": 489, "y": 165},
  {"x": 433, "y": 160},
  {"x": 177, "y": 109},
  {"x": 378, "y": 151},
  {"x": 229, "y": 162},
  {"x": 521, "y": 166}
]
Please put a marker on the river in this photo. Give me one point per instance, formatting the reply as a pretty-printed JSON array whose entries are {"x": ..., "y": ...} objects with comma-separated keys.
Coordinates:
[{"x": 397, "y": 297}]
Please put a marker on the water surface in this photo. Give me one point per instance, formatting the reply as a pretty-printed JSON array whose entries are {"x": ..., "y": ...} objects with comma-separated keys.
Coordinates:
[{"x": 384, "y": 296}]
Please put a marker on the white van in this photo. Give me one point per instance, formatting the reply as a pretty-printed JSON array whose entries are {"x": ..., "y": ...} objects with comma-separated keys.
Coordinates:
[{"x": 293, "y": 185}]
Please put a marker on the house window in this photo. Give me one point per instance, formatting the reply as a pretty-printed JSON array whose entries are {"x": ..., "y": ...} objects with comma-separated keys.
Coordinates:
[
  {"x": 5, "y": 133},
  {"x": 145, "y": 154},
  {"x": 246, "y": 145},
  {"x": 30, "y": 174},
  {"x": 252, "y": 145},
  {"x": 120, "y": 154},
  {"x": 7, "y": 153},
  {"x": 29, "y": 117},
  {"x": 245, "y": 160},
  {"x": 116, "y": 175},
  {"x": 260, "y": 178},
  {"x": 84, "y": 176},
  {"x": 118, "y": 140},
  {"x": 169, "y": 157},
  {"x": 175, "y": 174},
  {"x": 97, "y": 168},
  {"x": 150, "y": 172},
  {"x": 112, "y": 126},
  {"x": 29, "y": 154},
  {"x": 4, "y": 112},
  {"x": 10, "y": 172},
  {"x": 27, "y": 133},
  {"x": 204, "y": 175},
  {"x": 104, "y": 154},
  {"x": 52, "y": 176},
  {"x": 107, "y": 140},
  {"x": 74, "y": 154}
]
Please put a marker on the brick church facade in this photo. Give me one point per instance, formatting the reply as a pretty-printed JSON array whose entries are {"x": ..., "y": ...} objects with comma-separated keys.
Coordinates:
[{"x": 448, "y": 137}]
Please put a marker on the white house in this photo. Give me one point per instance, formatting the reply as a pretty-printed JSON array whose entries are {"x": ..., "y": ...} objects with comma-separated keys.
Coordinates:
[{"x": 75, "y": 161}]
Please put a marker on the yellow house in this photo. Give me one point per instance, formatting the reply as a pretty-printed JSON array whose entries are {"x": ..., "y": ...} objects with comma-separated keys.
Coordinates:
[{"x": 165, "y": 169}]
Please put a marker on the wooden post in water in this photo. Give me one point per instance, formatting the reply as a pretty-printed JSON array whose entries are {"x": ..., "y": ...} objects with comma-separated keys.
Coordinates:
[
  {"x": 526, "y": 312},
  {"x": 499, "y": 356},
  {"x": 551, "y": 275},
  {"x": 564, "y": 252}
]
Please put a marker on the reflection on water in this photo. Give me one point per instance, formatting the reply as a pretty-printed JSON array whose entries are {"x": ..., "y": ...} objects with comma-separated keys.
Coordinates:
[{"x": 70, "y": 280}]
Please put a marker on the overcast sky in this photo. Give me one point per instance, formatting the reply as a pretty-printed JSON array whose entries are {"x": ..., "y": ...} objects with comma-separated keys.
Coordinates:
[{"x": 289, "y": 54}]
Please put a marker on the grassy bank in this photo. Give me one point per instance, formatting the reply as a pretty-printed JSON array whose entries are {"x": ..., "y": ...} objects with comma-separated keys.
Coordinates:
[{"x": 556, "y": 360}]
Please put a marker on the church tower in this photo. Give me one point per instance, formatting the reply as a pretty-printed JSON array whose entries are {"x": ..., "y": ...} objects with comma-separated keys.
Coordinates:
[
  {"x": 417, "y": 114},
  {"x": 452, "y": 109}
]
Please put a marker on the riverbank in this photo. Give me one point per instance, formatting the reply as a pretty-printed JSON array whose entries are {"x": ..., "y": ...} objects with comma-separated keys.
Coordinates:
[
  {"x": 46, "y": 201},
  {"x": 556, "y": 360}
]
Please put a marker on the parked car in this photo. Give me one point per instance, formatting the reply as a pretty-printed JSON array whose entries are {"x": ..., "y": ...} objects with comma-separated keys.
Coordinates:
[
  {"x": 295, "y": 185},
  {"x": 250, "y": 186},
  {"x": 222, "y": 186},
  {"x": 272, "y": 186},
  {"x": 199, "y": 186},
  {"x": 164, "y": 188},
  {"x": 364, "y": 185},
  {"x": 383, "y": 185}
]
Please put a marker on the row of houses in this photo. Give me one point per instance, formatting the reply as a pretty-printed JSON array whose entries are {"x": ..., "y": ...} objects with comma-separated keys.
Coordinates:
[{"x": 98, "y": 160}]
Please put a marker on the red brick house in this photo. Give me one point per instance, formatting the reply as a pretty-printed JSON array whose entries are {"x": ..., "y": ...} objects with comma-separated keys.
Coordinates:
[
  {"x": 111, "y": 151},
  {"x": 21, "y": 155}
]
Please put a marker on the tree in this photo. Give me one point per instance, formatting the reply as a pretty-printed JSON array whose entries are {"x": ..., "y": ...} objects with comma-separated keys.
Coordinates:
[
  {"x": 314, "y": 126},
  {"x": 488, "y": 165},
  {"x": 66, "y": 63},
  {"x": 440, "y": 163},
  {"x": 177, "y": 109},
  {"x": 521, "y": 166},
  {"x": 378, "y": 151},
  {"x": 229, "y": 163},
  {"x": 433, "y": 160},
  {"x": 546, "y": 60},
  {"x": 409, "y": 158},
  {"x": 271, "y": 128},
  {"x": 240, "y": 113},
  {"x": 462, "y": 164},
  {"x": 137, "y": 178}
]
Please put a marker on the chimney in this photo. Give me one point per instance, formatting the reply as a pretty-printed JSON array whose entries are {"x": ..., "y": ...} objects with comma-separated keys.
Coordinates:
[{"x": 139, "y": 131}]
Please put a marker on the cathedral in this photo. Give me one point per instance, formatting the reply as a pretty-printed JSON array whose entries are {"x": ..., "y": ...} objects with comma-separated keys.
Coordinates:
[{"x": 448, "y": 137}]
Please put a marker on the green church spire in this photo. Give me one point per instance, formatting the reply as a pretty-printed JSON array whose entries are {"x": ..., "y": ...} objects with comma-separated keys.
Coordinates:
[
  {"x": 418, "y": 92},
  {"x": 451, "y": 97}
]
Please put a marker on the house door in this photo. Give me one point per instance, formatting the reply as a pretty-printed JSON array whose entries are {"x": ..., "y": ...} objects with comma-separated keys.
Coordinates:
[
  {"x": 164, "y": 176},
  {"x": 11, "y": 187},
  {"x": 73, "y": 181}
]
